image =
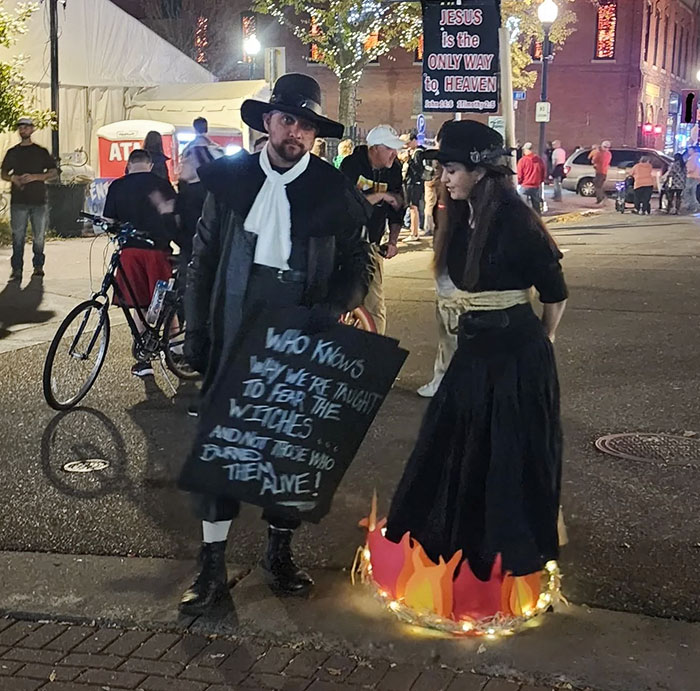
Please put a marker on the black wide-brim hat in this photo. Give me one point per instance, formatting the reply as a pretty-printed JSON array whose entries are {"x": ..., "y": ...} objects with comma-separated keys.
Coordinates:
[
  {"x": 296, "y": 94},
  {"x": 469, "y": 142}
]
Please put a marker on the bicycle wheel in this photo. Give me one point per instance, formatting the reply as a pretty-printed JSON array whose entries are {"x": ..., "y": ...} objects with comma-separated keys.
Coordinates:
[
  {"x": 174, "y": 330},
  {"x": 76, "y": 355},
  {"x": 359, "y": 318}
]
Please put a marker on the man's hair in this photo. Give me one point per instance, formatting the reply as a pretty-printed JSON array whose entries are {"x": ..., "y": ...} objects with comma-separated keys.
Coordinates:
[
  {"x": 140, "y": 156},
  {"x": 201, "y": 126}
]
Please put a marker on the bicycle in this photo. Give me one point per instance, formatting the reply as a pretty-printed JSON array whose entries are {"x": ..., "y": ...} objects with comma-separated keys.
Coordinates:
[
  {"x": 79, "y": 347},
  {"x": 359, "y": 318}
]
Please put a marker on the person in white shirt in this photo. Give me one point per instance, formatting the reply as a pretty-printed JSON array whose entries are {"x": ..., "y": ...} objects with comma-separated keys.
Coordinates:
[
  {"x": 558, "y": 161},
  {"x": 200, "y": 151}
]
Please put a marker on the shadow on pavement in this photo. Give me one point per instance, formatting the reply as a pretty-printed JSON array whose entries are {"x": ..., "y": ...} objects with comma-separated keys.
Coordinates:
[
  {"x": 21, "y": 306},
  {"x": 167, "y": 431},
  {"x": 81, "y": 437}
]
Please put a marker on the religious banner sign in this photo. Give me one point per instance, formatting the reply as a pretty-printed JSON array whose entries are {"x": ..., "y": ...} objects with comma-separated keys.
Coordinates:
[
  {"x": 284, "y": 422},
  {"x": 460, "y": 59}
]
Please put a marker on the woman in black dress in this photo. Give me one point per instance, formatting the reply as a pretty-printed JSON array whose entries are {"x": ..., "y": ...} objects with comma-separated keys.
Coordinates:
[{"x": 484, "y": 477}]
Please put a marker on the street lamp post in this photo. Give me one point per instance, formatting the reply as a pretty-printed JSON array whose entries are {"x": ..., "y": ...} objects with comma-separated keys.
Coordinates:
[
  {"x": 251, "y": 47},
  {"x": 547, "y": 13}
]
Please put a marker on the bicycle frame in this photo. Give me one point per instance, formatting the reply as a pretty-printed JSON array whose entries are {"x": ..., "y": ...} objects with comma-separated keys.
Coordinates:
[{"x": 110, "y": 281}]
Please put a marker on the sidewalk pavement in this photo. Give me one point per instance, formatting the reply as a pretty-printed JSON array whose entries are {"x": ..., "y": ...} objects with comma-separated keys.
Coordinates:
[
  {"x": 576, "y": 648},
  {"x": 65, "y": 657}
]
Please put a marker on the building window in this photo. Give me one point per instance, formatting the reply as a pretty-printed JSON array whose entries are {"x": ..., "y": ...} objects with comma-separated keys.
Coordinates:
[
  {"x": 685, "y": 57},
  {"x": 418, "y": 52},
  {"x": 372, "y": 42},
  {"x": 657, "y": 19},
  {"x": 665, "y": 53},
  {"x": 314, "y": 50},
  {"x": 647, "y": 34},
  {"x": 679, "y": 59},
  {"x": 201, "y": 39},
  {"x": 606, "y": 28},
  {"x": 673, "y": 54},
  {"x": 315, "y": 54}
]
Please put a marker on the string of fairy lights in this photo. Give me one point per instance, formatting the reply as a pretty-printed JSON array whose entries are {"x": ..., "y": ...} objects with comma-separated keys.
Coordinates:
[
  {"x": 347, "y": 46},
  {"x": 492, "y": 627}
]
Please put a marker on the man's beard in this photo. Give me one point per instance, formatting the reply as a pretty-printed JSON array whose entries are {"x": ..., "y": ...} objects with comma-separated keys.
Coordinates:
[
  {"x": 25, "y": 137},
  {"x": 292, "y": 152}
]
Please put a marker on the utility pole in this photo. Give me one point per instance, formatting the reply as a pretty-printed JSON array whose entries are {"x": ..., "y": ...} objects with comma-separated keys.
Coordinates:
[
  {"x": 507, "y": 91},
  {"x": 53, "y": 27}
]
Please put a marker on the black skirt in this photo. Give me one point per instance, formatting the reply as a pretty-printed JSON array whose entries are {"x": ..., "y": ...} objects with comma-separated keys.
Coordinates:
[{"x": 485, "y": 474}]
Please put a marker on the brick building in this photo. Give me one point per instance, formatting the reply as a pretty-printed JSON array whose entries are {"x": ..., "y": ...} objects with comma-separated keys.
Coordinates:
[{"x": 619, "y": 76}]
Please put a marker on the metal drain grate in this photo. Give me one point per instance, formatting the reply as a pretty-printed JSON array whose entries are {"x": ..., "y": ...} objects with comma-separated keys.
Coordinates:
[
  {"x": 664, "y": 449},
  {"x": 89, "y": 465}
]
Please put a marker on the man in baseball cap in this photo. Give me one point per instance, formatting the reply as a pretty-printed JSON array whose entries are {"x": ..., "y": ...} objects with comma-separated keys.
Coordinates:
[
  {"x": 374, "y": 171},
  {"x": 28, "y": 167}
]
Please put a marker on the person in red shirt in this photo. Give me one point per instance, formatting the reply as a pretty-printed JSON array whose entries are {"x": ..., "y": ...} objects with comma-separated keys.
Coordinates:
[
  {"x": 531, "y": 174},
  {"x": 600, "y": 158}
]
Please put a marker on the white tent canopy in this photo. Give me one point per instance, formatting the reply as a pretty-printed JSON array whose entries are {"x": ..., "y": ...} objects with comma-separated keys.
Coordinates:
[
  {"x": 100, "y": 45},
  {"x": 105, "y": 57},
  {"x": 219, "y": 103}
]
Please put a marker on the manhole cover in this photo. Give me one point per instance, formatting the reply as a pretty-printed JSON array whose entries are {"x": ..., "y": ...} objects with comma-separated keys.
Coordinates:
[
  {"x": 89, "y": 465},
  {"x": 666, "y": 449}
]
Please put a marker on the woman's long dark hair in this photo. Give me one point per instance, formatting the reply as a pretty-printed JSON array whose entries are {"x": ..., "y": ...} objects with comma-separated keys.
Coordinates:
[
  {"x": 492, "y": 197},
  {"x": 153, "y": 143}
]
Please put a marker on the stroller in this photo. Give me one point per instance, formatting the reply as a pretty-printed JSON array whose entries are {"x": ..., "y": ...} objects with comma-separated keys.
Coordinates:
[{"x": 624, "y": 194}]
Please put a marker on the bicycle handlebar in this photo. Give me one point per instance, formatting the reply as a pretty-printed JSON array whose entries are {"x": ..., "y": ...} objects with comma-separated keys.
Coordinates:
[{"x": 120, "y": 230}]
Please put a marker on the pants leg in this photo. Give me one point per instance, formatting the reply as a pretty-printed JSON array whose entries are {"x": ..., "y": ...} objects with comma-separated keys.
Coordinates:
[
  {"x": 19, "y": 217},
  {"x": 599, "y": 182},
  {"x": 282, "y": 517},
  {"x": 557, "y": 190},
  {"x": 211, "y": 508},
  {"x": 675, "y": 197},
  {"x": 646, "y": 199},
  {"x": 697, "y": 192},
  {"x": 638, "y": 200},
  {"x": 447, "y": 344},
  {"x": 533, "y": 195},
  {"x": 374, "y": 302},
  {"x": 39, "y": 216}
]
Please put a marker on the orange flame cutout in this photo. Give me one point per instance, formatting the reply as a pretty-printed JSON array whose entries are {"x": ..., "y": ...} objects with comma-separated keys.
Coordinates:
[
  {"x": 429, "y": 587},
  {"x": 520, "y": 594},
  {"x": 475, "y": 599}
]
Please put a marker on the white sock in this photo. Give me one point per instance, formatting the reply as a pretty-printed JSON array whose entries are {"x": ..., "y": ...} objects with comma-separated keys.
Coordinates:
[{"x": 215, "y": 532}]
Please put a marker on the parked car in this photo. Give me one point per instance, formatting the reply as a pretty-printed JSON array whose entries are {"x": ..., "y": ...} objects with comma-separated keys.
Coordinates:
[{"x": 580, "y": 173}]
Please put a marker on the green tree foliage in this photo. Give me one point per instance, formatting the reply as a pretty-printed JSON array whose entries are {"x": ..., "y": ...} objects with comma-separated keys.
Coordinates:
[
  {"x": 520, "y": 16},
  {"x": 16, "y": 96},
  {"x": 348, "y": 35}
]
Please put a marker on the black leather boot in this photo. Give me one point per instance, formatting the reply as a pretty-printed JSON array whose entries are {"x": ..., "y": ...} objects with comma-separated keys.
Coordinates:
[
  {"x": 281, "y": 573},
  {"x": 211, "y": 583}
]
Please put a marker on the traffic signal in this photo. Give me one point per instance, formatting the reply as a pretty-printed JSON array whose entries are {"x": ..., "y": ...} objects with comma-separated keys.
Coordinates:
[{"x": 690, "y": 102}]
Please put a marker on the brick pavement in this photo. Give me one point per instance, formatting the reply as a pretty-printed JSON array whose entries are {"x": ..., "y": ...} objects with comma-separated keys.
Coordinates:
[{"x": 63, "y": 657}]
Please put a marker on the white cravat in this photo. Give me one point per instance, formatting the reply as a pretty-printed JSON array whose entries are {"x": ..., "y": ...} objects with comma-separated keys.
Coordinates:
[{"x": 270, "y": 216}]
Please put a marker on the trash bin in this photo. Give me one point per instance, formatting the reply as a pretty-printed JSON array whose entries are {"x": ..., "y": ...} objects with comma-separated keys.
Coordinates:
[{"x": 65, "y": 203}]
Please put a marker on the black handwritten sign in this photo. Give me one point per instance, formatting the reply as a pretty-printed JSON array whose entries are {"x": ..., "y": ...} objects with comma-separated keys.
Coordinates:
[
  {"x": 284, "y": 423},
  {"x": 460, "y": 56}
]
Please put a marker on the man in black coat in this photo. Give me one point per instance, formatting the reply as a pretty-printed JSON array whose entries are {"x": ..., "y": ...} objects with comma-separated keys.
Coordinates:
[{"x": 279, "y": 228}]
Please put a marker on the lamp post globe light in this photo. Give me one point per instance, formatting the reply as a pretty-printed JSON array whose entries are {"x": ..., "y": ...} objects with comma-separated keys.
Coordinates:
[
  {"x": 251, "y": 47},
  {"x": 697, "y": 76},
  {"x": 547, "y": 12}
]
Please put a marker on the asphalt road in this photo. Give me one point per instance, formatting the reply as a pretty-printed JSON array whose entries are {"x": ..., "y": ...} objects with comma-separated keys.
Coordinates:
[{"x": 628, "y": 358}]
